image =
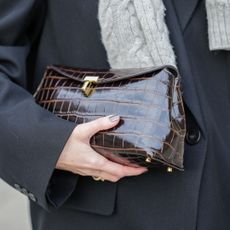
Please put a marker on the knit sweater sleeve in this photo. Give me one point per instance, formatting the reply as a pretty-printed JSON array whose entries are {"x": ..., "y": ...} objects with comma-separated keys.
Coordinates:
[{"x": 218, "y": 14}]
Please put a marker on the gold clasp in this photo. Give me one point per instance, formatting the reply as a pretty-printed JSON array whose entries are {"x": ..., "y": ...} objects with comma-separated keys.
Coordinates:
[
  {"x": 88, "y": 81},
  {"x": 148, "y": 158}
]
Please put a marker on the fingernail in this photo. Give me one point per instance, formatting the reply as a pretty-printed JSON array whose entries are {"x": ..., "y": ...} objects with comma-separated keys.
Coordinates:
[{"x": 114, "y": 118}]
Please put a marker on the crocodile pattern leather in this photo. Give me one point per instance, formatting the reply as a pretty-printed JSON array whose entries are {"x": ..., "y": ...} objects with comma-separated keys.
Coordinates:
[{"x": 148, "y": 100}]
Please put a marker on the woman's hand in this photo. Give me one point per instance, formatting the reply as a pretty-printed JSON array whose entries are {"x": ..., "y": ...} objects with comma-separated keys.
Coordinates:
[{"x": 78, "y": 157}]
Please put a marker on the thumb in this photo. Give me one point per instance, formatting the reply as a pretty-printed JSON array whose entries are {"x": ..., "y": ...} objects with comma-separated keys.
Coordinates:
[{"x": 103, "y": 123}]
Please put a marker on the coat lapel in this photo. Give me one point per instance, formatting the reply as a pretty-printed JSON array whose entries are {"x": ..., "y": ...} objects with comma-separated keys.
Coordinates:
[
  {"x": 176, "y": 36},
  {"x": 177, "y": 20},
  {"x": 184, "y": 10}
]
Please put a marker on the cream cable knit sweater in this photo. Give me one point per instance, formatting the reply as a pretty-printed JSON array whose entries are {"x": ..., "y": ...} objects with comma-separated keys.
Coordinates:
[{"x": 134, "y": 32}]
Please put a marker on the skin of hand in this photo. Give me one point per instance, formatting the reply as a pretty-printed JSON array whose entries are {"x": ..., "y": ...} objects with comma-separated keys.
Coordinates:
[{"x": 79, "y": 158}]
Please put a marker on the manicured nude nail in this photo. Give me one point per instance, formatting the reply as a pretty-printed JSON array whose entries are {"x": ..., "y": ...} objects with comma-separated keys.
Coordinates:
[{"x": 114, "y": 118}]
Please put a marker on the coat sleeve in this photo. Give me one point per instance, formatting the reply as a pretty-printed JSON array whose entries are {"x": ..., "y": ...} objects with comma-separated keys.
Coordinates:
[{"x": 31, "y": 138}]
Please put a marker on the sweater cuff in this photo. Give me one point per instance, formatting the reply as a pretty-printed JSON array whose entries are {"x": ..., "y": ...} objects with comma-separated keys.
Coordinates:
[{"x": 218, "y": 14}]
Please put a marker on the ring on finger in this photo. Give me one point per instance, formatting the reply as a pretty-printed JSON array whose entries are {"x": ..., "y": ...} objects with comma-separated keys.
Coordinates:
[{"x": 98, "y": 178}]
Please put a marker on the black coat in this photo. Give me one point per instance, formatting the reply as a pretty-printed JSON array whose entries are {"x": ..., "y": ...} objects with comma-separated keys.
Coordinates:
[{"x": 34, "y": 34}]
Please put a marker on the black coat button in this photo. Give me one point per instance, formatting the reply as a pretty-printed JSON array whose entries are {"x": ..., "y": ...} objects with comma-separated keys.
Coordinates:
[
  {"x": 18, "y": 187},
  {"x": 24, "y": 191},
  {"x": 193, "y": 136},
  {"x": 32, "y": 197}
]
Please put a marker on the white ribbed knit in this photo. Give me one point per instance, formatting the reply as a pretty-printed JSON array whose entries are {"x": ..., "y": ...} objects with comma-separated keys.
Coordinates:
[
  {"x": 218, "y": 13},
  {"x": 134, "y": 32}
]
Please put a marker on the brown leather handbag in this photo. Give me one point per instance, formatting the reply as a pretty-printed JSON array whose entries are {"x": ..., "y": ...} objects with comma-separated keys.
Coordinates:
[{"x": 148, "y": 100}]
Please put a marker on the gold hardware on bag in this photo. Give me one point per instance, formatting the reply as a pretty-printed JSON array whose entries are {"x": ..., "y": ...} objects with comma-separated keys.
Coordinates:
[
  {"x": 87, "y": 86},
  {"x": 148, "y": 159},
  {"x": 169, "y": 169}
]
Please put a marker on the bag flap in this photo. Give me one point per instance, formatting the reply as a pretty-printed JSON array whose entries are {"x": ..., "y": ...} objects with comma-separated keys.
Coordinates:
[{"x": 109, "y": 75}]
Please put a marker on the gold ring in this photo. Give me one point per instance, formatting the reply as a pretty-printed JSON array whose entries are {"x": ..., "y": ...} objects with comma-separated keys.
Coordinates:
[{"x": 97, "y": 178}]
